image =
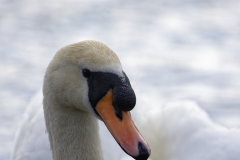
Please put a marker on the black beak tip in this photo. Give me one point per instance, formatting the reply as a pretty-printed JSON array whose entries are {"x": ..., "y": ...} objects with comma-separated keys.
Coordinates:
[
  {"x": 142, "y": 157},
  {"x": 143, "y": 152}
]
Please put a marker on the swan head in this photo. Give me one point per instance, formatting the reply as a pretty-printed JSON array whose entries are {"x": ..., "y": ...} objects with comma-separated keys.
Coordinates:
[{"x": 88, "y": 76}]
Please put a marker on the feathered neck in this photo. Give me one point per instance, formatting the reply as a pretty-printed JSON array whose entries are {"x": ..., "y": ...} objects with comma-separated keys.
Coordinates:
[{"x": 73, "y": 134}]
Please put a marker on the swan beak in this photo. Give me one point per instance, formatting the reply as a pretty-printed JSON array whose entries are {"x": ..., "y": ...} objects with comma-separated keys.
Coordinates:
[{"x": 123, "y": 130}]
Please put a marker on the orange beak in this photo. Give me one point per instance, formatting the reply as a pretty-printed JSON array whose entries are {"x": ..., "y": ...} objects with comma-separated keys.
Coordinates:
[{"x": 124, "y": 131}]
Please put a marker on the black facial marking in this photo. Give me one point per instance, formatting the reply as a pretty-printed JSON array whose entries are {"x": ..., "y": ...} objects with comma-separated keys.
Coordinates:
[
  {"x": 86, "y": 73},
  {"x": 99, "y": 84}
]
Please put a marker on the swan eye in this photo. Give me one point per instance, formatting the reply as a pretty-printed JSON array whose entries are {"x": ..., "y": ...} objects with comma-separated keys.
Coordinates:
[{"x": 86, "y": 73}]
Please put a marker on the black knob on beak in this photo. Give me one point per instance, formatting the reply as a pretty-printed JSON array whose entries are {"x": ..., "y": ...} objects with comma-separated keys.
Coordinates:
[{"x": 124, "y": 97}]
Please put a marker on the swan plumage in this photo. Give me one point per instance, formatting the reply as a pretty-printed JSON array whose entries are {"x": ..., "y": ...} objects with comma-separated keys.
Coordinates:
[
  {"x": 83, "y": 82},
  {"x": 179, "y": 130},
  {"x": 32, "y": 140}
]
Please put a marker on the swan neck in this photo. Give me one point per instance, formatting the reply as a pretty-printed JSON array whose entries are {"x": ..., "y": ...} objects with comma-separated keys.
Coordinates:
[{"x": 73, "y": 134}]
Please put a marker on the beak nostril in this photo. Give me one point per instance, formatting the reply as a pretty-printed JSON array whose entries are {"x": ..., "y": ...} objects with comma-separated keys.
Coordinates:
[{"x": 118, "y": 113}]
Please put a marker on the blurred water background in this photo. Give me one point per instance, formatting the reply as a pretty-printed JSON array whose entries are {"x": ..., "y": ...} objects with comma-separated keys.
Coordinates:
[{"x": 177, "y": 49}]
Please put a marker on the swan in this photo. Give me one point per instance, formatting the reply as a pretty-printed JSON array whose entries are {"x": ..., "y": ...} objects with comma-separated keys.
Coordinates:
[
  {"x": 85, "y": 82},
  {"x": 175, "y": 130}
]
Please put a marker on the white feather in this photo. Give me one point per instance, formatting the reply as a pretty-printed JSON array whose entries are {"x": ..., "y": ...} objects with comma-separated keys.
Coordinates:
[{"x": 180, "y": 130}]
